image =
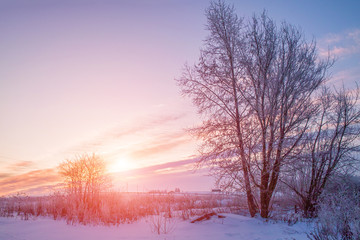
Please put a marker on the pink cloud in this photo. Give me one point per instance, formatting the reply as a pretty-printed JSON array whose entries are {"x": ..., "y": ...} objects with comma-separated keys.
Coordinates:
[
  {"x": 165, "y": 176},
  {"x": 119, "y": 132},
  {"x": 161, "y": 145},
  {"x": 20, "y": 165},
  {"x": 340, "y": 45},
  {"x": 349, "y": 76},
  {"x": 29, "y": 180}
]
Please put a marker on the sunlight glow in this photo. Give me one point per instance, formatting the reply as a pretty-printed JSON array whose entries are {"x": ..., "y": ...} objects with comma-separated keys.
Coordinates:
[{"x": 121, "y": 165}]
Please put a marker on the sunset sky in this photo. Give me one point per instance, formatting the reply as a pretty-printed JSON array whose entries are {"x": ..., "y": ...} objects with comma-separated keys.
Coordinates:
[{"x": 91, "y": 76}]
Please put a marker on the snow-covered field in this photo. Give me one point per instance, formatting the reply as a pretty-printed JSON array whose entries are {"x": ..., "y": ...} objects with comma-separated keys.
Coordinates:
[{"x": 231, "y": 227}]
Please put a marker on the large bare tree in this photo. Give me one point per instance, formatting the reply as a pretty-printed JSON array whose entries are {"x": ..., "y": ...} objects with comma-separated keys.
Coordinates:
[{"x": 253, "y": 86}]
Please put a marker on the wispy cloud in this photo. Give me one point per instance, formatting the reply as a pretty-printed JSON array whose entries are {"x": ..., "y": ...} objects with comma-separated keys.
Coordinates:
[
  {"x": 161, "y": 144},
  {"x": 15, "y": 166},
  {"x": 166, "y": 176},
  {"x": 341, "y": 44},
  {"x": 120, "y": 132},
  {"x": 143, "y": 142},
  {"x": 161, "y": 167},
  {"x": 26, "y": 181},
  {"x": 20, "y": 165},
  {"x": 348, "y": 76},
  {"x": 332, "y": 38},
  {"x": 4, "y": 175},
  {"x": 145, "y": 124}
]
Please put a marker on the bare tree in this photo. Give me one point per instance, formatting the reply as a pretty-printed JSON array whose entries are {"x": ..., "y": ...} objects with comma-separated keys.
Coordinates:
[
  {"x": 85, "y": 178},
  {"x": 330, "y": 147},
  {"x": 253, "y": 84},
  {"x": 213, "y": 86}
]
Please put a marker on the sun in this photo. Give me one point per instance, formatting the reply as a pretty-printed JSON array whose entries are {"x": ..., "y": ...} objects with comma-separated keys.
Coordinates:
[{"x": 121, "y": 164}]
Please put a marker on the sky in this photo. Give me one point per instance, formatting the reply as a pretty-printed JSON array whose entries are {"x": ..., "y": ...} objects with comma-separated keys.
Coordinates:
[{"x": 91, "y": 76}]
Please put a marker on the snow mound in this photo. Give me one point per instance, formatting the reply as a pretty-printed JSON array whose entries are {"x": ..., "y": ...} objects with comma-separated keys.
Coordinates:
[{"x": 231, "y": 227}]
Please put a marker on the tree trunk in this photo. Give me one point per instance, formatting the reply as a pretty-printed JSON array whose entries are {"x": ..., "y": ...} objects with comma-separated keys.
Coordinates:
[
  {"x": 309, "y": 208},
  {"x": 250, "y": 197},
  {"x": 265, "y": 202}
]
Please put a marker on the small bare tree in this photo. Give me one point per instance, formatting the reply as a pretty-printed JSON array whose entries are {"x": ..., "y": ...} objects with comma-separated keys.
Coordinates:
[
  {"x": 85, "y": 178},
  {"x": 330, "y": 147},
  {"x": 254, "y": 84}
]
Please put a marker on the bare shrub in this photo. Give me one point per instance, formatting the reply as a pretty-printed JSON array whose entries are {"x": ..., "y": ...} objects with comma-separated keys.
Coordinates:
[
  {"x": 161, "y": 223},
  {"x": 338, "y": 216},
  {"x": 85, "y": 179},
  {"x": 330, "y": 147},
  {"x": 118, "y": 208}
]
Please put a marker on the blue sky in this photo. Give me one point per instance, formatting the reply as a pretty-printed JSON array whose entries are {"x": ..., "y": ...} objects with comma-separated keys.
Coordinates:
[{"x": 98, "y": 76}]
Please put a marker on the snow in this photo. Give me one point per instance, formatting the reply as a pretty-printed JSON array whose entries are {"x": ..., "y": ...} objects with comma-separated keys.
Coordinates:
[{"x": 231, "y": 227}]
